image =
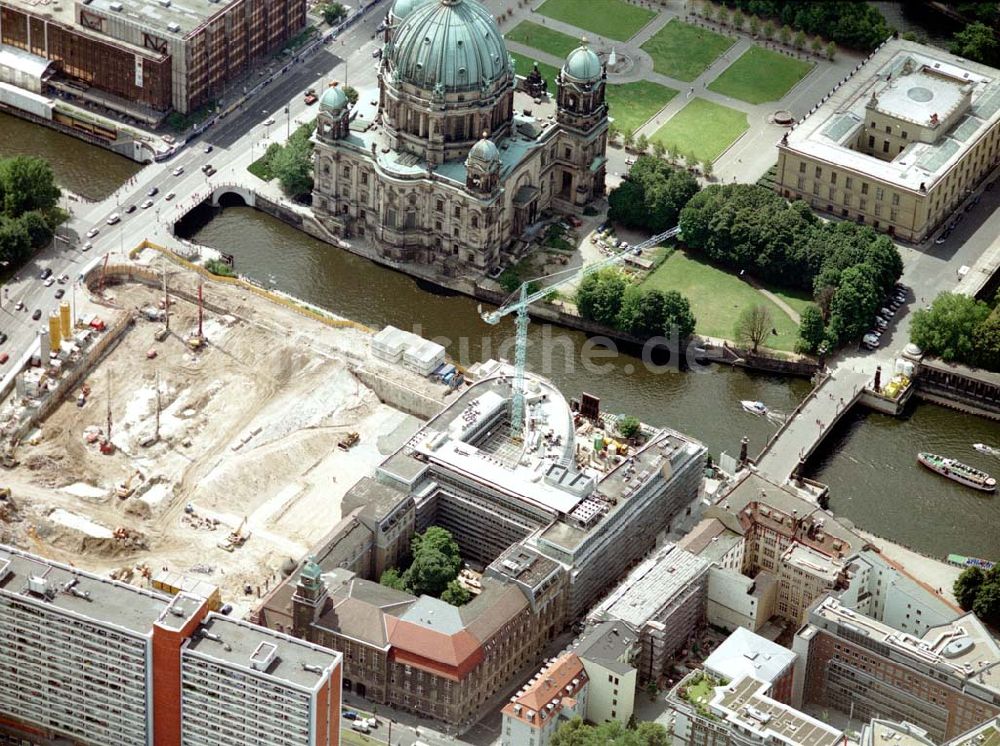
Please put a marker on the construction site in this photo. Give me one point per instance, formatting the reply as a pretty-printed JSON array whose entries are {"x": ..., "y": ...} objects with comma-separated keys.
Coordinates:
[{"x": 185, "y": 425}]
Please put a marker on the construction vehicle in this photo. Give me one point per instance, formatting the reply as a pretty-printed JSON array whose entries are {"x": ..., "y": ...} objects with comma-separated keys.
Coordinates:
[
  {"x": 237, "y": 538},
  {"x": 161, "y": 334},
  {"x": 348, "y": 441},
  {"x": 124, "y": 488},
  {"x": 519, "y": 301}
]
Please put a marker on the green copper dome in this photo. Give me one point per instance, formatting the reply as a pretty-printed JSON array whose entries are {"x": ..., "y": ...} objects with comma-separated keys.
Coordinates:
[
  {"x": 402, "y": 8},
  {"x": 583, "y": 64},
  {"x": 484, "y": 151},
  {"x": 448, "y": 45},
  {"x": 333, "y": 98}
]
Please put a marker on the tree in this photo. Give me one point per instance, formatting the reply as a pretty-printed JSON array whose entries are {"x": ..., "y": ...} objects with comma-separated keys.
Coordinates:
[
  {"x": 15, "y": 243},
  {"x": 38, "y": 229},
  {"x": 946, "y": 328},
  {"x": 986, "y": 342},
  {"x": 831, "y": 51},
  {"x": 332, "y": 13},
  {"x": 854, "y": 304},
  {"x": 754, "y": 325},
  {"x": 768, "y": 29},
  {"x": 392, "y": 579},
  {"x": 677, "y": 315},
  {"x": 652, "y": 734},
  {"x": 738, "y": 20},
  {"x": 754, "y": 26},
  {"x": 599, "y": 297},
  {"x": 812, "y": 330},
  {"x": 800, "y": 40},
  {"x": 352, "y": 94},
  {"x": 456, "y": 594},
  {"x": 27, "y": 183},
  {"x": 816, "y": 45},
  {"x": 967, "y": 586},
  {"x": 987, "y": 604},
  {"x": 785, "y": 35},
  {"x": 652, "y": 195},
  {"x": 706, "y": 168},
  {"x": 629, "y": 138},
  {"x": 613, "y": 133},
  {"x": 610, "y": 733},
  {"x": 641, "y": 144},
  {"x": 628, "y": 426},
  {"x": 978, "y": 42},
  {"x": 723, "y": 16},
  {"x": 674, "y": 151},
  {"x": 436, "y": 562},
  {"x": 659, "y": 149}
]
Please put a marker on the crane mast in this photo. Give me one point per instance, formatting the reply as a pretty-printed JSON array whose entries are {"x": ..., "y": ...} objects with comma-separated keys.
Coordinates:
[{"x": 521, "y": 299}]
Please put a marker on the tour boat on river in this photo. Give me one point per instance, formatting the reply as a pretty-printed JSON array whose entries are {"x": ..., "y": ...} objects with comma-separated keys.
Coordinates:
[{"x": 958, "y": 472}]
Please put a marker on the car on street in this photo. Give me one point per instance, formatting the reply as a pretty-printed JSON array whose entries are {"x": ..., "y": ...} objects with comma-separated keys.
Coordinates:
[
  {"x": 170, "y": 196},
  {"x": 19, "y": 306},
  {"x": 60, "y": 293},
  {"x": 208, "y": 149},
  {"x": 3, "y": 338},
  {"x": 973, "y": 202},
  {"x": 377, "y": 52},
  {"x": 206, "y": 168},
  {"x": 881, "y": 324},
  {"x": 4, "y": 357},
  {"x": 87, "y": 246},
  {"x": 360, "y": 726},
  {"x": 210, "y": 171},
  {"x": 943, "y": 237},
  {"x": 268, "y": 122},
  {"x": 871, "y": 341},
  {"x": 46, "y": 274},
  {"x": 153, "y": 192},
  {"x": 350, "y": 715},
  {"x": 49, "y": 282},
  {"x": 114, "y": 218},
  {"x": 147, "y": 204},
  {"x": 37, "y": 314},
  {"x": 178, "y": 171},
  {"x": 63, "y": 278},
  {"x": 92, "y": 232},
  {"x": 130, "y": 209}
]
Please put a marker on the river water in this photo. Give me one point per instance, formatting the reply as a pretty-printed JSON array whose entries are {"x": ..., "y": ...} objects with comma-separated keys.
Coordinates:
[
  {"x": 83, "y": 169},
  {"x": 870, "y": 463}
]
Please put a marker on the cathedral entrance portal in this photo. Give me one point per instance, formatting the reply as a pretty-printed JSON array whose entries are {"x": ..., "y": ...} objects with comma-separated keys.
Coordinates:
[{"x": 525, "y": 208}]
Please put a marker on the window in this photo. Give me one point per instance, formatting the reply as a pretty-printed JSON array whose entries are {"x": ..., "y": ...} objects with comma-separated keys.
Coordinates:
[
  {"x": 894, "y": 216},
  {"x": 819, "y": 172},
  {"x": 878, "y": 209},
  {"x": 904, "y": 134},
  {"x": 833, "y": 177},
  {"x": 815, "y": 187},
  {"x": 801, "y": 183},
  {"x": 873, "y": 125},
  {"x": 475, "y": 221},
  {"x": 885, "y": 146},
  {"x": 888, "y": 130},
  {"x": 833, "y": 192},
  {"x": 458, "y": 211},
  {"x": 862, "y": 204},
  {"x": 802, "y": 167},
  {"x": 895, "y": 199},
  {"x": 364, "y": 178},
  {"x": 879, "y": 193},
  {"x": 568, "y": 153},
  {"x": 439, "y": 205},
  {"x": 864, "y": 187},
  {"x": 848, "y": 183},
  {"x": 871, "y": 142}
]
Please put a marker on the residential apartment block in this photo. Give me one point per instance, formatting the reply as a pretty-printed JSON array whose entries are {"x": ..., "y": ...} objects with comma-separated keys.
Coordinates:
[
  {"x": 551, "y": 520},
  {"x": 608, "y": 651},
  {"x": 557, "y": 693},
  {"x": 100, "y": 663},
  {"x": 144, "y": 58},
  {"x": 945, "y": 681},
  {"x": 899, "y": 144}
]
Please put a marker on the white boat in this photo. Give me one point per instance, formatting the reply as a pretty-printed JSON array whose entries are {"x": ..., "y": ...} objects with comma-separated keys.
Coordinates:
[
  {"x": 754, "y": 407},
  {"x": 988, "y": 450}
]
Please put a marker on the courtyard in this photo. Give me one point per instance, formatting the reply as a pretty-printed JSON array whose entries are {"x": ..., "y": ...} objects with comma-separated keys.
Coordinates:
[{"x": 682, "y": 51}]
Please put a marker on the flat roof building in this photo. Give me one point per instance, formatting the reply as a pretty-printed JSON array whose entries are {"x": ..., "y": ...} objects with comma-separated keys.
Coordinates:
[
  {"x": 105, "y": 663},
  {"x": 899, "y": 144},
  {"x": 745, "y": 654},
  {"x": 144, "y": 58}
]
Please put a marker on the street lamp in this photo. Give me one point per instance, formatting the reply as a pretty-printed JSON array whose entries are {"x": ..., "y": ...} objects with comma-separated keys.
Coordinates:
[{"x": 288, "y": 123}]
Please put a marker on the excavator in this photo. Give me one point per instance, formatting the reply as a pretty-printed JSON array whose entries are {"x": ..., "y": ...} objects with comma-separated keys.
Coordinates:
[{"x": 237, "y": 538}]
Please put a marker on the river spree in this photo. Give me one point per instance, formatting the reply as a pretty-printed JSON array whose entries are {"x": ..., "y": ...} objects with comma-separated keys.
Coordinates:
[
  {"x": 80, "y": 167},
  {"x": 870, "y": 463}
]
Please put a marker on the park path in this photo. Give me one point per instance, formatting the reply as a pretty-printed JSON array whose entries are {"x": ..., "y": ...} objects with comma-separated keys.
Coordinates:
[{"x": 778, "y": 301}]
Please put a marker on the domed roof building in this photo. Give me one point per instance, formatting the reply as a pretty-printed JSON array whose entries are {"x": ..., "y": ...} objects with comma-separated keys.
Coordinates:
[{"x": 448, "y": 170}]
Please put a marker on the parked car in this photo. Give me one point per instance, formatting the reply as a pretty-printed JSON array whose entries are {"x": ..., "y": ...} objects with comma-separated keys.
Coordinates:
[
  {"x": 49, "y": 282},
  {"x": 3, "y": 337},
  {"x": 170, "y": 196},
  {"x": 208, "y": 148},
  {"x": 361, "y": 726},
  {"x": 268, "y": 122},
  {"x": 870, "y": 341},
  {"x": 37, "y": 314},
  {"x": 19, "y": 306},
  {"x": 881, "y": 324},
  {"x": 87, "y": 246},
  {"x": 210, "y": 171},
  {"x": 204, "y": 169},
  {"x": 226, "y": 609},
  {"x": 943, "y": 237},
  {"x": 350, "y": 715},
  {"x": 376, "y": 53},
  {"x": 4, "y": 357},
  {"x": 46, "y": 274}
]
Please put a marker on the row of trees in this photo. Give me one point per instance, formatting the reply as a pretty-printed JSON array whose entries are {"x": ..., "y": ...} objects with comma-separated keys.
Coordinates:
[
  {"x": 959, "y": 329},
  {"x": 652, "y": 196},
  {"x": 979, "y": 592},
  {"x": 768, "y": 29},
  {"x": 671, "y": 154},
  {"x": 610, "y": 733},
  {"x": 852, "y": 23},
  {"x": 611, "y": 298},
  {"x": 29, "y": 207},
  {"x": 434, "y": 568},
  {"x": 848, "y": 268}
]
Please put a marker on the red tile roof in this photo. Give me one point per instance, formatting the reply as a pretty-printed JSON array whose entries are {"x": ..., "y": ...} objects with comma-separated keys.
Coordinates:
[
  {"x": 452, "y": 656},
  {"x": 553, "y": 683}
]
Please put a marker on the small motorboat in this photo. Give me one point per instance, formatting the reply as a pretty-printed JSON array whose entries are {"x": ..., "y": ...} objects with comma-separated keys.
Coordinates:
[
  {"x": 754, "y": 407},
  {"x": 988, "y": 450}
]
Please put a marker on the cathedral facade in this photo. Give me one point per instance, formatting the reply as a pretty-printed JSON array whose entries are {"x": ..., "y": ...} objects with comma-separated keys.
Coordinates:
[{"x": 446, "y": 171}]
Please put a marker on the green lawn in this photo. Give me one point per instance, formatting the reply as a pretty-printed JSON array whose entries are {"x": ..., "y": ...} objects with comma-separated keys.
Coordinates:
[
  {"x": 683, "y": 51},
  {"x": 703, "y": 128},
  {"x": 760, "y": 75},
  {"x": 797, "y": 299},
  {"x": 541, "y": 37},
  {"x": 632, "y": 104},
  {"x": 717, "y": 298},
  {"x": 612, "y": 19},
  {"x": 523, "y": 65}
]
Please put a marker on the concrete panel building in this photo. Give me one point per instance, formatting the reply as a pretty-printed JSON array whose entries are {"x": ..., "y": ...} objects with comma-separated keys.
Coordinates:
[
  {"x": 899, "y": 144},
  {"x": 103, "y": 663},
  {"x": 945, "y": 681}
]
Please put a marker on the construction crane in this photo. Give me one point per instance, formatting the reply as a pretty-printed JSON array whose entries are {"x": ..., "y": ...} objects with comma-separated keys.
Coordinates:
[{"x": 519, "y": 301}]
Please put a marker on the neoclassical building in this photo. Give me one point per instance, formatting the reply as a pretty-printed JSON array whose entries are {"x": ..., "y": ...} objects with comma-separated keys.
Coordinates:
[{"x": 453, "y": 165}]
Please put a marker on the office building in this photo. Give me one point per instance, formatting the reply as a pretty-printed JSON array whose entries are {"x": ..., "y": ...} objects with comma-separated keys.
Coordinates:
[
  {"x": 709, "y": 712},
  {"x": 745, "y": 654},
  {"x": 880, "y": 732},
  {"x": 144, "y": 58},
  {"x": 551, "y": 521},
  {"x": 454, "y": 165},
  {"x": 899, "y": 144},
  {"x": 944, "y": 681},
  {"x": 102, "y": 663},
  {"x": 557, "y": 693},
  {"x": 663, "y": 598}
]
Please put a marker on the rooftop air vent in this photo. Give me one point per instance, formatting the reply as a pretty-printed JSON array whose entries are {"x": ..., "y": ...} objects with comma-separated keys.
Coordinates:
[
  {"x": 165, "y": 3},
  {"x": 117, "y": 7},
  {"x": 173, "y": 27},
  {"x": 263, "y": 656}
]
